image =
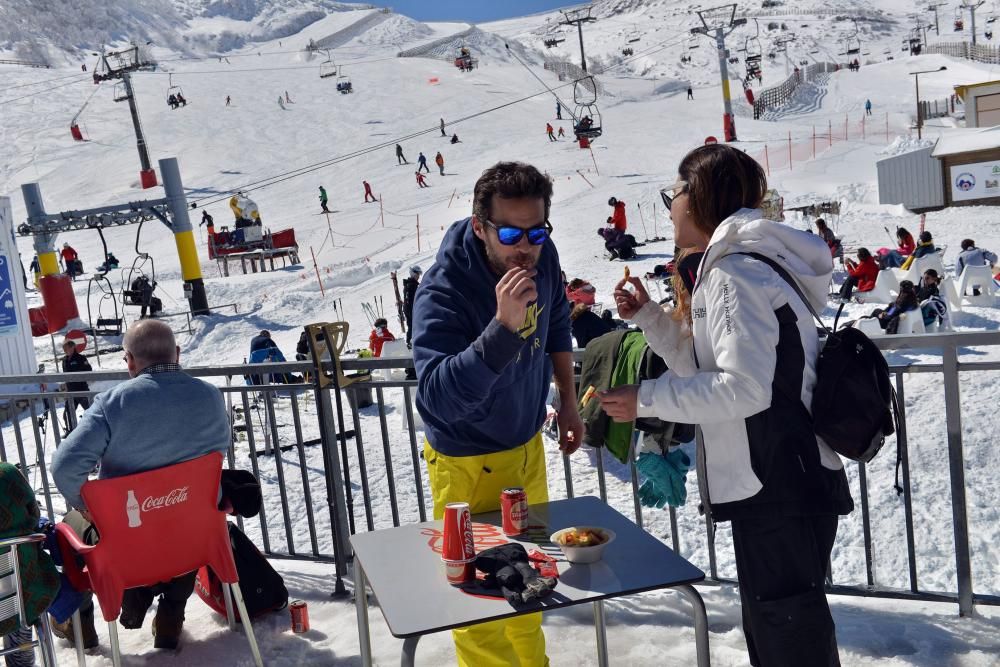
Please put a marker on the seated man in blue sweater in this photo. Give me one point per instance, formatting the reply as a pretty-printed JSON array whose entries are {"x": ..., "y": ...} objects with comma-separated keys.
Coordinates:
[
  {"x": 490, "y": 331},
  {"x": 160, "y": 417}
]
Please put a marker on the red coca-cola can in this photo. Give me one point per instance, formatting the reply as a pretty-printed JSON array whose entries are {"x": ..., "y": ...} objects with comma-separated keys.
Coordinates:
[
  {"x": 458, "y": 546},
  {"x": 300, "y": 616},
  {"x": 514, "y": 510}
]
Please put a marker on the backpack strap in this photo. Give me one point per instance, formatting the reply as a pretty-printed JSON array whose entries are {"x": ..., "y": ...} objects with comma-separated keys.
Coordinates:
[{"x": 780, "y": 270}]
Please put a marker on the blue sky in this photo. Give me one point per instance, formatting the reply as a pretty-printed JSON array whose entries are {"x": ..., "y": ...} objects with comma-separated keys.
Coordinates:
[{"x": 473, "y": 11}]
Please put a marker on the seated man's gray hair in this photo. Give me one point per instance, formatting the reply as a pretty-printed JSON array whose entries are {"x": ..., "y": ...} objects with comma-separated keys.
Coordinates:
[{"x": 151, "y": 341}]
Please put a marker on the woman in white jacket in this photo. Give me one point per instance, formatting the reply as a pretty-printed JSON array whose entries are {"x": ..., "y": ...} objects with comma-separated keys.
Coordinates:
[{"x": 742, "y": 347}]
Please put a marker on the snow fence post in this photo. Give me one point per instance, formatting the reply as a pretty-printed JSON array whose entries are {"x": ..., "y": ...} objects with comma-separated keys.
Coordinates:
[
  {"x": 789, "y": 151},
  {"x": 830, "y": 133}
]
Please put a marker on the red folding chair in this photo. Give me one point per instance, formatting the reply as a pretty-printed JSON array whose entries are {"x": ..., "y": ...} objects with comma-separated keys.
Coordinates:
[{"x": 154, "y": 526}]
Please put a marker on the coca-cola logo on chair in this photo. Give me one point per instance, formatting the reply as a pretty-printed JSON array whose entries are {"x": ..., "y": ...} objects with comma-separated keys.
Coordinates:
[{"x": 157, "y": 502}]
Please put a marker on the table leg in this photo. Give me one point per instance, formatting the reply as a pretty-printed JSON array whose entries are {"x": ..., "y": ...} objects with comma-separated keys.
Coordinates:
[
  {"x": 409, "y": 651},
  {"x": 700, "y": 623},
  {"x": 602, "y": 637},
  {"x": 361, "y": 606}
]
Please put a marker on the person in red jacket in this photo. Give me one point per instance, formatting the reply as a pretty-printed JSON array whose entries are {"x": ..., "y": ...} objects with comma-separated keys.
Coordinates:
[
  {"x": 380, "y": 334},
  {"x": 861, "y": 274},
  {"x": 368, "y": 192},
  {"x": 549, "y": 130},
  {"x": 580, "y": 291},
  {"x": 618, "y": 217}
]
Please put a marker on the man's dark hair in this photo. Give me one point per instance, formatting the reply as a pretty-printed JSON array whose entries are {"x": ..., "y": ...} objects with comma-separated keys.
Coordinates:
[
  {"x": 381, "y": 322},
  {"x": 510, "y": 180},
  {"x": 968, "y": 243},
  {"x": 925, "y": 237}
]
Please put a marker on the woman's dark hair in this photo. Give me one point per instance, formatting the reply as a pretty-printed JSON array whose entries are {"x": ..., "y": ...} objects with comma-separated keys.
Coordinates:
[
  {"x": 925, "y": 237},
  {"x": 576, "y": 283},
  {"x": 820, "y": 223},
  {"x": 720, "y": 181},
  {"x": 381, "y": 322},
  {"x": 510, "y": 180},
  {"x": 906, "y": 285},
  {"x": 863, "y": 254},
  {"x": 902, "y": 234},
  {"x": 968, "y": 243}
]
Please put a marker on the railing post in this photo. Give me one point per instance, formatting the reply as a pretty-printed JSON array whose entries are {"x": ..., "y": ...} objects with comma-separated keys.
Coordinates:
[
  {"x": 956, "y": 467},
  {"x": 336, "y": 500}
]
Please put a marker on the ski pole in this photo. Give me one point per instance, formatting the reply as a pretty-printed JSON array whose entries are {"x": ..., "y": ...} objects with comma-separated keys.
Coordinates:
[{"x": 642, "y": 220}]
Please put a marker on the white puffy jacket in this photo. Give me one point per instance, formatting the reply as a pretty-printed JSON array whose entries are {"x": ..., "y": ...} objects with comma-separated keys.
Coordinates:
[{"x": 724, "y": 367}]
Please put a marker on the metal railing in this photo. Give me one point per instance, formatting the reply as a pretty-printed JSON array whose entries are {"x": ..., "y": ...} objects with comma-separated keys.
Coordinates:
[
  {"x": 775, "y": 96},
  {"x": 330, "y": 466},
  {"x": 983, "y": 53}
]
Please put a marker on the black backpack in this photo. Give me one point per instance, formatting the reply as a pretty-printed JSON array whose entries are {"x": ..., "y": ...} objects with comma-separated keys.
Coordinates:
[
  {"x": 853, "y": 404},
  {"x": 262, "y": 587}
]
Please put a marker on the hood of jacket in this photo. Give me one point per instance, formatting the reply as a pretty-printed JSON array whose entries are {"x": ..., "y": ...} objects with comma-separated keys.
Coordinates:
[{"x": 806, "y": 256}]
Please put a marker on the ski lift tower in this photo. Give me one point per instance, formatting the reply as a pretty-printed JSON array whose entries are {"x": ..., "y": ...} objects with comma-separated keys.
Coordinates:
[
  {"x": 720, "y": 22},
  {"x": 781, "y": 46},
  {"x": 119, "y": 65},
  {"x": 934, "y": 8},
  {"x": 578, "y": 17},
  {"x": 972, "y": 7}
]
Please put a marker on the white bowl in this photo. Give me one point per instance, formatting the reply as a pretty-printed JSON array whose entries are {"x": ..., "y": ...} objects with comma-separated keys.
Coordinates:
[{"x": 590, "y": 554}]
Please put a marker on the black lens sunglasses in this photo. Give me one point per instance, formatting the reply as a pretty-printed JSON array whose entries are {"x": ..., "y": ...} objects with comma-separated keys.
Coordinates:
[{"x": 671, "y": 191}]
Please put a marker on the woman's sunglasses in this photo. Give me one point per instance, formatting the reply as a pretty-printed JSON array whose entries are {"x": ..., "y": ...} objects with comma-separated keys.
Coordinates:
[
  {"x": 510, "y": 235},
  {"x": 671, "y": 191}
]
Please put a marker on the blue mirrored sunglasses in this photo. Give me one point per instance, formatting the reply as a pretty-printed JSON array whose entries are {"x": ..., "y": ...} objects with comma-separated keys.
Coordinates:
[{"x": 510, "y": 235}]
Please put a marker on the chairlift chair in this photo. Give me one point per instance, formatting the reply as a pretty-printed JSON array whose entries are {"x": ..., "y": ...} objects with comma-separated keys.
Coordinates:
[
  {"x": 172, "y": 89},
  {"x": 344, "y": 86},
  {"x": 104, "y": 326},
  {"x": 588, "y": 121},
  {"x": 853, "y": 46},
  {"x": 585, "y": 91},
  {"x": 553, "y": 41},
  {"x": 120, "y": 94},
  {"x": 633, "y": 37},
  {"x": 327, "y": 68},
  {"x": 693, "y": 42}
]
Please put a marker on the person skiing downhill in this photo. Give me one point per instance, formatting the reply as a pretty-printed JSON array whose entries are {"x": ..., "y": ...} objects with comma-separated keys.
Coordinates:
[
  {"x": 549, "y": 130},
  {"x": 868, "y": 107},
  {"x": 368, "y": 192},
  {"x": 422, "y": 163},
  {"x": 281, "y": 102},
  {"x": 323, "y": 199},
  {"x": 443, "y": 133},
  {"x": 400, "y": 158},
  {"x": 421, "y": 180},
  {"x": 558, "y": 110}
]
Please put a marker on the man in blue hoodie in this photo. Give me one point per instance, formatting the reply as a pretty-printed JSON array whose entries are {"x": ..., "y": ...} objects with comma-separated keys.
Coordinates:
[{"x": 491, "y": 329}]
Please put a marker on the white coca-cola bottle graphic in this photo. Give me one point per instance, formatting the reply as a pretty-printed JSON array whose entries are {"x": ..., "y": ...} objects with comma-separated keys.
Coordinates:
[{"x": 132, "y": 509}]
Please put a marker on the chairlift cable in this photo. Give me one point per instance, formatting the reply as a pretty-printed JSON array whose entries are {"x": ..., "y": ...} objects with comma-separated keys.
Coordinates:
[
  {"x": 316, "y": 166},
  {"x": 40, "y": 92}
]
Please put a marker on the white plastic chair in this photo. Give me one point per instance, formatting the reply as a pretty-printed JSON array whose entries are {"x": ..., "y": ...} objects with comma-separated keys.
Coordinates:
[
  {"x": 932, "y": 261},
  {"x": 947, "y": 287},
  {"x": 977, "y": 277},
  {"x": 869, "y": 326},
  {"x": 394, "y": 349},
  {"x": 885, "y": 290},
  {"x": 911, "y": 322}
]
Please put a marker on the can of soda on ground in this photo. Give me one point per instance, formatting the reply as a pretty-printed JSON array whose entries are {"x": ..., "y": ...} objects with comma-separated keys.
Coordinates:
[
  {"x": 514, "y": 510},
  {"x": 458, "y": 550},
  {"x": 300, "y": 616}
]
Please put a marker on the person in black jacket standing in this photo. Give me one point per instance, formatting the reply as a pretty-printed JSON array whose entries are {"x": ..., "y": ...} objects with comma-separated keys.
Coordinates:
[
  {"x": 410, "y": 291},
  {"x": 74, "y": 362}
]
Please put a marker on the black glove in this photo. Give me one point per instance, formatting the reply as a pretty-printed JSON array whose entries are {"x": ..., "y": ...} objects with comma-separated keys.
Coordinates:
[{"x": 508, "y": 569}]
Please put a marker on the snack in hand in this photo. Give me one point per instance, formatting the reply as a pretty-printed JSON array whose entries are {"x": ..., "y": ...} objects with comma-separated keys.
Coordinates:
[
  {"x": 587, "y": 395},
  {"x": 628, "y": 273}
]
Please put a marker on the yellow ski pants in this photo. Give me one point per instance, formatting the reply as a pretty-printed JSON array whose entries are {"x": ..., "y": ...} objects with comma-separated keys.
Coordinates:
[{"x": 478, "y": 480}]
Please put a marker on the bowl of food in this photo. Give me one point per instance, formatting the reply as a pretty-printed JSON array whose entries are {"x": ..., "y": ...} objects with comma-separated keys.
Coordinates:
[{"x": 583, "y": 544}]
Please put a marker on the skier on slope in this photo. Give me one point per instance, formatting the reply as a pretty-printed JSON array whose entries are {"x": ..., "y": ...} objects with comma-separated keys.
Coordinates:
[
  {"x": 558, "y": 110},
  {"x": 618, "y": 217},
  {"x": 368, "y": 192},
  {"x": 549, "y": 130},
  {"x": 323, "y": 199},
  {"x": 288, "y": 99},
  {"x": 421, "y": 180},
  {"x": 281, "y": 102},
  {"x": 439, "y": 161},
  {"x": 443, "y": 133},
  {"x": 422, "y": 163},
  {"x": 400, "y": 158}
]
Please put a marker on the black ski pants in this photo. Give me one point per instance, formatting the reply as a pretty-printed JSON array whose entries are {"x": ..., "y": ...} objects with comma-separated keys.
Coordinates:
[{"x": 781, "y": 564}]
